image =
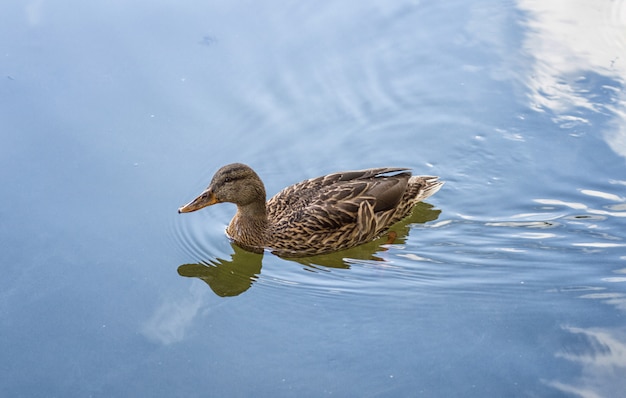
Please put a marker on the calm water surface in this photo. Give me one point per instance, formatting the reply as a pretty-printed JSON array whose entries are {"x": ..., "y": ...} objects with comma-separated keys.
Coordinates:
[{"x": 511, "y": 281}]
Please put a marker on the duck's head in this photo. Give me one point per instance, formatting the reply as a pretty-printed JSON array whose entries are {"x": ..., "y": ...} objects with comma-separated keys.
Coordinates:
[{"x": 234, "y": 183}]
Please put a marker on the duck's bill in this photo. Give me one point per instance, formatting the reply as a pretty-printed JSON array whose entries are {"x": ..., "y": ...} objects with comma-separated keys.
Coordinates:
[{"x": 207, "y": 198}]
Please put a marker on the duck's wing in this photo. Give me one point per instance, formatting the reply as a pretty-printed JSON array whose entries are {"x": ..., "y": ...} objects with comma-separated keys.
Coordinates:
[{"x": 333, "y": 201}]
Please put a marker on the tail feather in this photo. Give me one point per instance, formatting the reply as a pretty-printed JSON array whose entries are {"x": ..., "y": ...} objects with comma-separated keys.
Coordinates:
[
  {"x": 426, "y": 186},
  {"x": 419, "y": 188}
]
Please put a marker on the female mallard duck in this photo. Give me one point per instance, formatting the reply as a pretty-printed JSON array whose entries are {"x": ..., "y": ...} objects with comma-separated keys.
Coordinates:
[{"x": 315, "y": 216}]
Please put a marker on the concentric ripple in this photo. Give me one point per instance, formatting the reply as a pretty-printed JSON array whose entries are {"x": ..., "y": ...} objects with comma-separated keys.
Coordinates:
[
  {"x": 372, "y": 268},
  {"x": 199, "y": 237}
]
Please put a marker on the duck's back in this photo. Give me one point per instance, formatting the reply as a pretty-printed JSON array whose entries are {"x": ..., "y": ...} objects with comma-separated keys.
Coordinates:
[{"x": 340, "y": 210}]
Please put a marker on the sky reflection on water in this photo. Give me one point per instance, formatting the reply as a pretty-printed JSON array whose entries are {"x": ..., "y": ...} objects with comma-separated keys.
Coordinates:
[
  {"x": 114, "y": 113},
  {"x": 579, "y": 69}
]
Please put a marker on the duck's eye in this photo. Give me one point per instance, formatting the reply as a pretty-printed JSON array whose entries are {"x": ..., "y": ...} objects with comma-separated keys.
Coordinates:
[{"x": 228, "y": 179}]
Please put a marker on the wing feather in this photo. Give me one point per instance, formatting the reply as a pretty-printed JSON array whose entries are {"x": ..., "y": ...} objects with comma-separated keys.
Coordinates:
[{"x": 339, "y": 200}]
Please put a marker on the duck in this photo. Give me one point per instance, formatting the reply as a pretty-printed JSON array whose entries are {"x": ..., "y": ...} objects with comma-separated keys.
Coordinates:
[{"x": 318, "y": 215}]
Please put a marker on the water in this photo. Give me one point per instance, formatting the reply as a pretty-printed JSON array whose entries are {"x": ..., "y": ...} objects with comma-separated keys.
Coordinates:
[{"x": 508, "y": 282}]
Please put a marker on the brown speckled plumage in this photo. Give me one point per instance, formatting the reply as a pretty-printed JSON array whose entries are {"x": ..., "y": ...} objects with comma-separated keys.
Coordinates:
[{"x": 316, "y": 216}]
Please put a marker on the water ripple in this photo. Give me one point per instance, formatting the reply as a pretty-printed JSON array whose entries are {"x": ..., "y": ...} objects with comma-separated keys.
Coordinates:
[{"x": 372, "y": 268}]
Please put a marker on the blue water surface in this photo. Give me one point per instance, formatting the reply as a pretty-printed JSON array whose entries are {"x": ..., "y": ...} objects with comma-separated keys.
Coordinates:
[{"x": 510, "y": 281}]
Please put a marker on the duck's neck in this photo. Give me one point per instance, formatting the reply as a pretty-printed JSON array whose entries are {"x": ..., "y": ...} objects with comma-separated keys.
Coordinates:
[{"x": 249, "y": 226}]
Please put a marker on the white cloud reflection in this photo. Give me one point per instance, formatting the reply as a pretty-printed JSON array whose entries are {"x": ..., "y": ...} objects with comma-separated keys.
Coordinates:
[
  {"x": 599, "y": 351},
  {"x": 171, "y": 320},
  {"x": 34, "y": 12},
  {"x": 568, "y": 40},
  {"x": 603, "y": 363}
]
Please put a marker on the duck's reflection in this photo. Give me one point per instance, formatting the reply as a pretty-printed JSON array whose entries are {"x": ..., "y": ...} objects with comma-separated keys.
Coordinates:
[
  {"x": 234, "y": 276},
  {"x": 227, "y": 277}
]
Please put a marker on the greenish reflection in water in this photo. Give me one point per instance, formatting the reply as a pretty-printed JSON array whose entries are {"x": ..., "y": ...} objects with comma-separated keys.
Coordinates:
[
  {"x": 231, "y": 277},
  {"x": 227, "y": 278}
]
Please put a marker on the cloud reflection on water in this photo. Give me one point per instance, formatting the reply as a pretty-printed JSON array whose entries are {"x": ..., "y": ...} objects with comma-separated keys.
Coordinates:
[
  {"x": 573, "y": 45},
  {"x": 600, "y": 352},
  {"x": 172, "y": 318},
  {"x": 602, "y": 361},
  {"x": 577, "y": 75}
]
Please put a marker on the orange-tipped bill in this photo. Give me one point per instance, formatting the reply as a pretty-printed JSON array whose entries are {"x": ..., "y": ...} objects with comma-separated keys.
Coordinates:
[{"x": 207, "y": 198}]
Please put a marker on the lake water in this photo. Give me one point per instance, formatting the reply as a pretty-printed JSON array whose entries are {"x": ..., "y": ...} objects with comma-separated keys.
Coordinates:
[{"x": 510, "y": 281}]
